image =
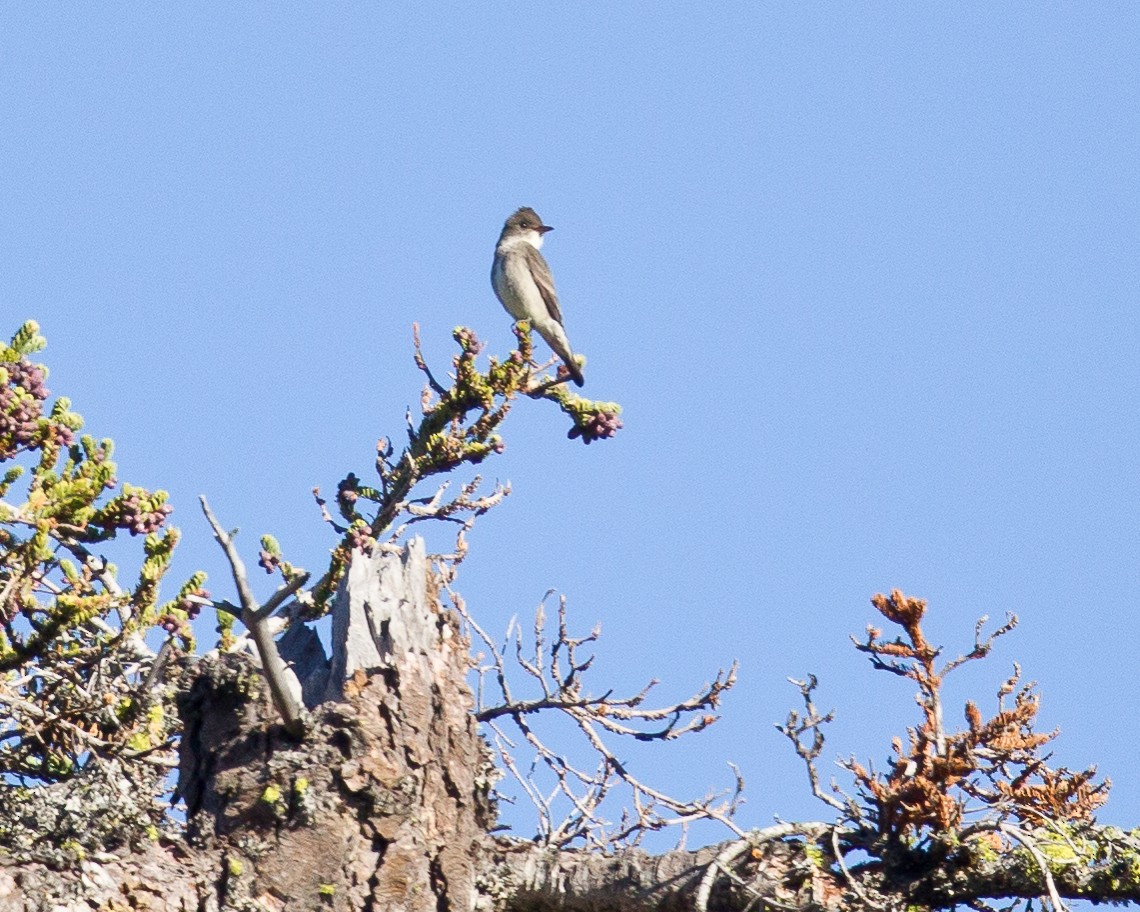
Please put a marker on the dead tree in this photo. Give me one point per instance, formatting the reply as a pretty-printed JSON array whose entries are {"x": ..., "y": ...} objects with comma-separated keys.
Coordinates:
[
  {"x": 365, "y": 779},
  {"x": 386, "y": 803}
]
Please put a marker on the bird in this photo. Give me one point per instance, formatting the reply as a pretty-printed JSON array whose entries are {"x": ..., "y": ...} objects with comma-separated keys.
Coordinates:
[{"x": 523, "y": 284}]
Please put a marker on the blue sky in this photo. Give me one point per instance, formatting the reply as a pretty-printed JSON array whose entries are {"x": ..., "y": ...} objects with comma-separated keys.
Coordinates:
[{"x": 863, "y": 277}]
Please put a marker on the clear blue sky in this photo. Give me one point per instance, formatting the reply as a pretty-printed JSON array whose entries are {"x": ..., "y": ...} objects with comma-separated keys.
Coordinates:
[{"x": 864, "y": 278}]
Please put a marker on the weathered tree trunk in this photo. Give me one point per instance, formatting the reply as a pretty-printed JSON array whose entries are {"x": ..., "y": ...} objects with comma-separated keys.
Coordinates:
[{"x": 385, "y": 804}]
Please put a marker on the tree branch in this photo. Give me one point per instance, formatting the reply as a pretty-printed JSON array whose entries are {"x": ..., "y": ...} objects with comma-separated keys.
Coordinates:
[{"x": 283, "y": 685}]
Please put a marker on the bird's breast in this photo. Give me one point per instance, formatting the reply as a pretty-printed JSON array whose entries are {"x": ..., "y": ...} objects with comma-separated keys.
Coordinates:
[{"x": 515, "y": 286}]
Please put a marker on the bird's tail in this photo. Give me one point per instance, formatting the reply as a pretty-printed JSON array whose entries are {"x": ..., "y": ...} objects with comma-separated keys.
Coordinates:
[
  {"x": 575, "y": 370},
  {"x": 556, "y": 339}
]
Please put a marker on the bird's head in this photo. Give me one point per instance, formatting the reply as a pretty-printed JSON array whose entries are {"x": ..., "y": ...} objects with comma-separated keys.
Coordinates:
[{"x": 525, "y": 224}]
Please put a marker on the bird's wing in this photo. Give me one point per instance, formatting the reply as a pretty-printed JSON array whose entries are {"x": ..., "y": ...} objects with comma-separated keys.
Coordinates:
[{"x": 540, "y": 272}]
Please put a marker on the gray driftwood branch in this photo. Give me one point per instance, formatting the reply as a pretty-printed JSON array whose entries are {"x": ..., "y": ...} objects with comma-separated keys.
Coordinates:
[{"x": 283, "y": 684}]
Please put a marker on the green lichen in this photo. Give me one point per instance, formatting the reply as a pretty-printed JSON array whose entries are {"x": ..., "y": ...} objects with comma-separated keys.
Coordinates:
[
  {"x": 1126, "y": 867},
  {"x": 1058, "y": 853},
  {"x": 139, "y": 741},
  {"x": 983, "y": 850},
  {"x": 271, "y": 795},
  {"x": 814, "y": 854},
  {"x": 327, "y": 889},
  {"x": 234, "y": 866},
  {"x": 1067, "y": 847}
]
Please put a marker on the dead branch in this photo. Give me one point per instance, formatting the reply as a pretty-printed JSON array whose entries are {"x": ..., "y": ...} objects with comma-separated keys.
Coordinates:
[
  {"x": 796, "y": 727},
  {"x": 283, "y": 684},
  {"x": 556, "y": 668},
  {"x": 993, "y": 767}
]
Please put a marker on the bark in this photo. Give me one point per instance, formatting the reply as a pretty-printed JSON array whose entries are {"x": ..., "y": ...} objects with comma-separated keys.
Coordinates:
[
  {"x": 384, "y": 804},
  {"x": 385, "y": 801}
]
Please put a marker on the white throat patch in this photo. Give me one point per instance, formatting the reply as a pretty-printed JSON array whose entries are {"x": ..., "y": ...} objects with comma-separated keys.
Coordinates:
[{"x": 533, "y": 238}]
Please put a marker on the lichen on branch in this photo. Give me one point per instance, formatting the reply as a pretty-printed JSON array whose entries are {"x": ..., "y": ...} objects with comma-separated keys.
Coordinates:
[{"x": 459, "y": 425}]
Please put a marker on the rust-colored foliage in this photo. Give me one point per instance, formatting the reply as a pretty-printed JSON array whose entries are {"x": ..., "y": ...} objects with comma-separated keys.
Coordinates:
[{"x": 993, "y": 764}]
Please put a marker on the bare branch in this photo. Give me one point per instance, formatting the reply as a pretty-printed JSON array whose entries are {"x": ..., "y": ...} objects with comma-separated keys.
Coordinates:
[
  {"x": 794, "y": 730},
  {"x": 283, "y": 685},
  {"x": 562, "y": 689},
  {"x": 283, "y": 592},
  {"x": 1042, "y": 862},
  {"x": 749, "y": 842}
]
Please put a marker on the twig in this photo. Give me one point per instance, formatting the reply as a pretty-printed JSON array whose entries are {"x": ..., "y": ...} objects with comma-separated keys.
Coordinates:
[
  {"x": 795, "y": 727},
  {"x": 556, "y": 670},
  {"x": 277, "y": 673},
  {"x": 751, "y": 840},
  {"x": 283, "y": 592},
  {"x": 851, "y": 882},
  {"x": 536, "y": 392},
  {"x": 421, "y": 362},
  {"x": 156, "y": 667},
  {"x": 1042, "y": 863}
]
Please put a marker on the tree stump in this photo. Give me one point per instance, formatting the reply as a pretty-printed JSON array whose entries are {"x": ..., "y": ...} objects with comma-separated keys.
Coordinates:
[{"x": 385, "y": 801}]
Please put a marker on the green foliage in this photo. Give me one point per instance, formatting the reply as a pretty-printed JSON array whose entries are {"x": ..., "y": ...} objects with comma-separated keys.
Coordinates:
[
  {"x": 71, "y": 649},
  {"x": 459, "y": 426},
  {"x": 72, "y": 657}
]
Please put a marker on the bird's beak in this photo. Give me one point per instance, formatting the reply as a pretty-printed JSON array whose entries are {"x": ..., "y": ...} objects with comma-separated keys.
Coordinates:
[{"x": 542, "y": 229}]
